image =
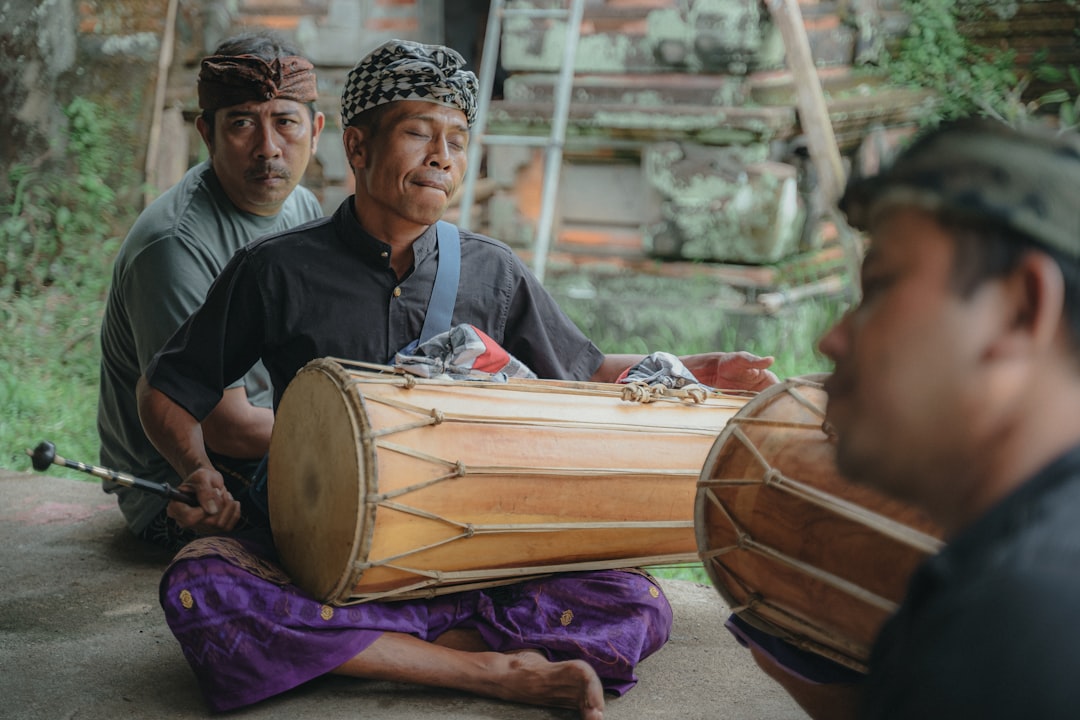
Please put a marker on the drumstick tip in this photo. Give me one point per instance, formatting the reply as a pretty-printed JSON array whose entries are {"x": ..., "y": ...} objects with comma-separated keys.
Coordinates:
[{"x": 43, "y": 455}]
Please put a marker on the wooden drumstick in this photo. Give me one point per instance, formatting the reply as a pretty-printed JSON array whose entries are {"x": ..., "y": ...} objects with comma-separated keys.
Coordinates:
[{"x": 45, "y": 455}]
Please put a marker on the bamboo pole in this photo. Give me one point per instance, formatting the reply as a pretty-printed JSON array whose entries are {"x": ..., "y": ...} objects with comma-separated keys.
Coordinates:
[
  {"x": 815, "y": 121},
  {"x": 153, "y": 145}
]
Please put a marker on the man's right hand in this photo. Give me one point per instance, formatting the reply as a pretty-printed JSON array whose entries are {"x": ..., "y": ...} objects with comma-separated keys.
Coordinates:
[{"x": 218, "y": 512}]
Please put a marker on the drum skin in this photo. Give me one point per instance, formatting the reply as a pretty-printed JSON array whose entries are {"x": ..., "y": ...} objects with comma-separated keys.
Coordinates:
[
  {"x": 386, "y": 486},
  {"x": 794, "y": 548}
]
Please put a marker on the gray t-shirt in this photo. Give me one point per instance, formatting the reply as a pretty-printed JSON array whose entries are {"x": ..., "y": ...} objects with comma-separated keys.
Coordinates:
[{"x": 167, "y": 262}]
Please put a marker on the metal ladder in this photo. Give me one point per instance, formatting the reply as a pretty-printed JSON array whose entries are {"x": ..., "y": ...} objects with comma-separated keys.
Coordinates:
[{"x": 572, "y": 14}]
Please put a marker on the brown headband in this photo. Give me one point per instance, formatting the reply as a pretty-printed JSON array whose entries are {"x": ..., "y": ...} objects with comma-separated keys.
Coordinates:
[{"x": 226, "y": 80}]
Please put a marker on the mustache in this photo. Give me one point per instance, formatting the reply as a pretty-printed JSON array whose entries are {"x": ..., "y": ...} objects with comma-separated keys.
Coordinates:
[{"x": 268, "y": 169}]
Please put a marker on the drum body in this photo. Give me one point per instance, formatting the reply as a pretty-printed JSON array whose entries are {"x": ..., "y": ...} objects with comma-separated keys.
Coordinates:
[
  {"x": 792, "y": 547},
  {"x": 386, "y": 486}
]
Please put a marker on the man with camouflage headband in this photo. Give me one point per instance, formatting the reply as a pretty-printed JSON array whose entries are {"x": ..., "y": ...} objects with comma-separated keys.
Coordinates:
[
  {"x": 957, "y": 388},
  {"x": 260, "y": 126},
  {"x": 358, "y": 285}
]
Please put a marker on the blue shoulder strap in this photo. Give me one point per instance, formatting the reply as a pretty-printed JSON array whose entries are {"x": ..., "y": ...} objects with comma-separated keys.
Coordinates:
[{"x": 440, "y": 309}]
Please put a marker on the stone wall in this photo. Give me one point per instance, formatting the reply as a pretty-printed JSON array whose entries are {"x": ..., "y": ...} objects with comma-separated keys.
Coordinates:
[
  {"x": 114, "y": 52},
  {"x": 110, "y": 51},
  {"x": 54, "y": 50}
]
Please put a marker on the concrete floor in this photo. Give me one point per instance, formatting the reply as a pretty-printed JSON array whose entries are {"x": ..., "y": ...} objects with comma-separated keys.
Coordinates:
[{"x": 82, "y": 636}]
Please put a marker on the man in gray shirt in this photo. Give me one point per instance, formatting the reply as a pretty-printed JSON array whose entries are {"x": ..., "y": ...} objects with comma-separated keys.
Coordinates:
[{"x": 261, "y": 129}]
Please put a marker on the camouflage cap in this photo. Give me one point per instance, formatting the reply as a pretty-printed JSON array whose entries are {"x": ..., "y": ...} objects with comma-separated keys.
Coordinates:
[{"x": 1028, "y": 180}]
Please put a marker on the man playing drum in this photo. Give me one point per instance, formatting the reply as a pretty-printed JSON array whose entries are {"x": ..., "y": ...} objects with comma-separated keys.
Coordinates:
[
  {"x": 957, "y": 388},
  {"x": 357, "y": 286},
  {"x": 261, "y": 128}
]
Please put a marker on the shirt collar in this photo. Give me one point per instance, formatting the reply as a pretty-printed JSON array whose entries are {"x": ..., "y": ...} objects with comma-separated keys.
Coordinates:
[{"x": 370, "y": 247}]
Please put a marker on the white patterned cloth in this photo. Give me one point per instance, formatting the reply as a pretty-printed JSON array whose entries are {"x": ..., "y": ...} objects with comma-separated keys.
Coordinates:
[
  {"x": 464, "y": 352},
  {"x": 660, "y": 368}
]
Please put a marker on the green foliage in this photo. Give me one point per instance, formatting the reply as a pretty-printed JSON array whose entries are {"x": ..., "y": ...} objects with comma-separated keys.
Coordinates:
[
  {"x": 969, "y": 79},
  {"x": 686, "y": 315},
  {"x": 59, "y": 230},
  {"x": 1060, "y": 103},
  {"x": 972, "y": 79},
  {"x": 57, "y": 204}
]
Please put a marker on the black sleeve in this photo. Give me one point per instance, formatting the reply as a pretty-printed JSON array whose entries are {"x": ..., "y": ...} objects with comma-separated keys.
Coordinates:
[
  {"x": 540, "y": 334},
  {"x": 217, "y": 344}
]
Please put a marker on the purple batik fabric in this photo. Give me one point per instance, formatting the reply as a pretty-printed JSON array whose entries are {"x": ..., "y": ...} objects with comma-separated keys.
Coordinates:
[{"x": 249, "y": 634}]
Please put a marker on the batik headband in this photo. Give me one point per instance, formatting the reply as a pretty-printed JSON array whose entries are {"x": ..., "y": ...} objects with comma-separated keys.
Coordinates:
[{"x": 226, "y": 80}]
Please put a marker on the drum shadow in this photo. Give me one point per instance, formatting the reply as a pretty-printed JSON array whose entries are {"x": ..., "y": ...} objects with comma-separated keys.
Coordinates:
[{"x": 122, "y": 545}]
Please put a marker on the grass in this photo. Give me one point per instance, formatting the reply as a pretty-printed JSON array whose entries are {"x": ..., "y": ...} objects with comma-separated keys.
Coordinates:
[{"x": 48, "y": 377}]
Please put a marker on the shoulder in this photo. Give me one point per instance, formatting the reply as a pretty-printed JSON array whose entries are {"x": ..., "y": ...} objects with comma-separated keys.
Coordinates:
[
  {"x": 488, "y": 253},
  {"x": 301, "y": 238},
  {"x": 483, "y": 243},
  {"x": 170, "y": 213},
  {"x": 193, "y": 218}
]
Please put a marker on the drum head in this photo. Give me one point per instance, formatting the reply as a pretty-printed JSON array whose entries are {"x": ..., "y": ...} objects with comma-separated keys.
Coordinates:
[
  {"x": 321, "y": 463},
  {"x": 793, "y": 547}
]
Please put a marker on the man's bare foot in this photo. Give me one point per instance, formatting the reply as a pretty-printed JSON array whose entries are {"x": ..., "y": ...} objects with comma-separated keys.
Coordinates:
[
  {"x": 525, "y": 676},
  {"x": 532, "y": 678}
]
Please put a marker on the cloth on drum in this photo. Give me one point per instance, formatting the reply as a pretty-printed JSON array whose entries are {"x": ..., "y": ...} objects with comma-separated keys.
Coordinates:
[
  {"x": 659, "y": 368},
  {"x": 464, "y": 352},
  {"x": 811, "y": 667},
  {"x": 249, "y": 634}
]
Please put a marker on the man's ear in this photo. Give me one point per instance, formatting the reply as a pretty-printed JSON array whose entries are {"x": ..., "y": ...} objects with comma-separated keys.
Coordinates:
[
  {"x": 204, "y": 131},
  {"x": 355, "y": 141},
  {"x": 318, "y": 121},
  {"x": 1035, "y": 297}
]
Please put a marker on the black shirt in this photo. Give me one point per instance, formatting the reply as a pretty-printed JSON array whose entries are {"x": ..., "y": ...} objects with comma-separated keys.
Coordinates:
[
  {"x": 990, "y": 627},
  {"x": 327, "y": 289}
]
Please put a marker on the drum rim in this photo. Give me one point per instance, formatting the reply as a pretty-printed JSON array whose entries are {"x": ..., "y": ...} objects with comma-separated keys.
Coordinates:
[
  {"x": 851, "y": 649},
  {"x": 335, "y": 586},
  {"x": 701, "y": 530},
  {"x": 764, "y": 398},
  {"x": 368, "y": 479}
]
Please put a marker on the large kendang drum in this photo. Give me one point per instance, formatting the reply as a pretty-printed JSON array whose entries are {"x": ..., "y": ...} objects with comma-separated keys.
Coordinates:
[
  {"x": 385, "y": 486},
  {"x": 792, "y": 547}
]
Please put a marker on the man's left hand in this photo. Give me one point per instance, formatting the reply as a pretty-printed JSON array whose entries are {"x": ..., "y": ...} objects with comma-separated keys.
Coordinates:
[{"x": 731, "y": 370}]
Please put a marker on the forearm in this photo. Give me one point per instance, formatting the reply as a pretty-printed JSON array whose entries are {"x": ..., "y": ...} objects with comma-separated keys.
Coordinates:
[
  {"x": 175, "y": 433},
  {"x": 613, "y": 366},
  {"x": 238, "y": 429}
]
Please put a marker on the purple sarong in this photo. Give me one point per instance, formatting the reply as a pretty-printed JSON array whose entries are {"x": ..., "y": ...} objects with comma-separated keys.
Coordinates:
[{"x": 250, "y": 634}]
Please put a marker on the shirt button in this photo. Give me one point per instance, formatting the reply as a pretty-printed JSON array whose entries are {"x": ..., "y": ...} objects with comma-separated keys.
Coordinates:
[
  {"x": 397, "y": 292},
  {"x": 384, "y": 254}
]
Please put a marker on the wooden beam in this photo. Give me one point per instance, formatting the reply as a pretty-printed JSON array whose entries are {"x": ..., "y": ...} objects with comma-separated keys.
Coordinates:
[
  {"x": 815, "y": 122},
  {"x": 809, "y": 98},
  {"x": 153, "y": 145}
]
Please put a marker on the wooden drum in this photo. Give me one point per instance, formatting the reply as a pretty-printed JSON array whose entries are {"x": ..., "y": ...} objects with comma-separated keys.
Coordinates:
[
  {"x": 792, "y": 547},
  {"x": 387, "y": 486}
]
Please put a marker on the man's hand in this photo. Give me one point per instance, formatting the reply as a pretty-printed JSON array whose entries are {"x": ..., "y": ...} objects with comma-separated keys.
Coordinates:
[
  {"x": 731, "y": 370},
  {"x": 217, "y": 512}
]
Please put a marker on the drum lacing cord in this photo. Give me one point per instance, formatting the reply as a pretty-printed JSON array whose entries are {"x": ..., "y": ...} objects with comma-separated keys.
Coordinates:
[
  {"x": 642, "y": 392},
  {"x": 773, "y": 477},
  {"x": 469, "y": 529},
  {"x": 745, "y": 542}
]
